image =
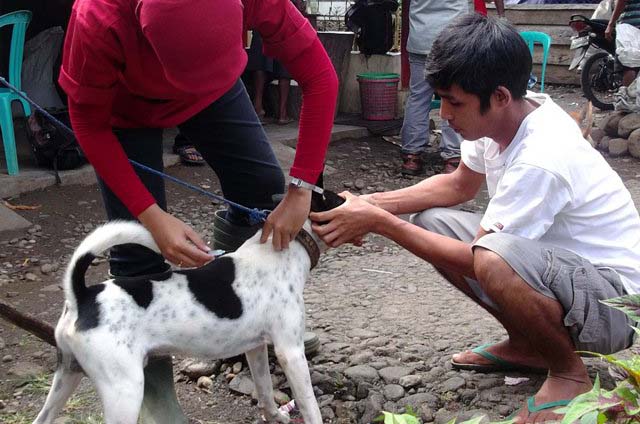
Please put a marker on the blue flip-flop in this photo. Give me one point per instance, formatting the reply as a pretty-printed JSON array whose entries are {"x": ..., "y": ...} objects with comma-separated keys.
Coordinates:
[
  {"x": 532, "y": 408},
  {"x": 497, "y": 364}
]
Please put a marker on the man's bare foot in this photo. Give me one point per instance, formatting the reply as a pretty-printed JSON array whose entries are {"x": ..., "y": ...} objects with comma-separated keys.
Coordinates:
[
  {"x": 557, "y": 389},
  {"x": 506, "y": 353},
  {"x": 284, "y": 121}
]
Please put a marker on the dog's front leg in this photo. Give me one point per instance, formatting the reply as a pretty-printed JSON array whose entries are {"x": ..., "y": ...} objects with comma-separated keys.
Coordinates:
[
  {"x": 259, "y": 366},
  {"x": 295, "y": 367}
]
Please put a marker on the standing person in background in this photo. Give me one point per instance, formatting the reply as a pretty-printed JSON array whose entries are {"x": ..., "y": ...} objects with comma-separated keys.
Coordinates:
[
  {"x": 426, "y": 19},
  {"x": 264, "y": 69},
  {"x": 131, "y": 68}
]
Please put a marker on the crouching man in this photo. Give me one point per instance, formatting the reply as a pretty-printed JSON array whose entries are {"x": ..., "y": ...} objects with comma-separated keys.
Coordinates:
[{"x": 560, "y": 232}]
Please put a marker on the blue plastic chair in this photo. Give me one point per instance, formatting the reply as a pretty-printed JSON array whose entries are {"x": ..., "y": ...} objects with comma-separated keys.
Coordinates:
[
  {"x": 533, "y": 37},
  {"x": 19, "y": 20}
]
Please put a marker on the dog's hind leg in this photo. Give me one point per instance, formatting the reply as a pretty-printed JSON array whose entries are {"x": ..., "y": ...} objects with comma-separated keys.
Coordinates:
[
  {"x": 121, "y": 392},
  {"x": 295, "y": 367},
  {"x": 65, "y": 380},
  {"x": 259, "y": 366}
]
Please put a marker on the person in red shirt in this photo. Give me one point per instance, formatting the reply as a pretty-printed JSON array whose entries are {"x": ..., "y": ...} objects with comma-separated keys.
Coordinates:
[{"x": 133, "y": 67}]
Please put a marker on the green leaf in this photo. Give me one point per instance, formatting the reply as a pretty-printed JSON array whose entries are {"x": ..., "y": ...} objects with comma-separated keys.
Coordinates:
[
  {"x": 632, "y": 411},
  {"x": 631, "y": 366},
  {"x": 590, "y": 418},
  {"x": 390, "y": 418},
  {"x": 582, "y": 404},
  {"x": 629, "y": 304},
  {"x": 625, "y": 393}
]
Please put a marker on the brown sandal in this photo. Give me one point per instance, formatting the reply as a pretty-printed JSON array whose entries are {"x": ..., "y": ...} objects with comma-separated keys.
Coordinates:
[{"x": 412, "y": 164}]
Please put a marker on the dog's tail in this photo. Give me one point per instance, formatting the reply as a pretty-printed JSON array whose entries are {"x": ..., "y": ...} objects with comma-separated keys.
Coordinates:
[{"x": 101, "y": 239}]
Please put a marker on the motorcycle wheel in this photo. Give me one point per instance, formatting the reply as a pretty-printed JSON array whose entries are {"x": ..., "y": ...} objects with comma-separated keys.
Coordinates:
[{"x": 599, "y": 80}]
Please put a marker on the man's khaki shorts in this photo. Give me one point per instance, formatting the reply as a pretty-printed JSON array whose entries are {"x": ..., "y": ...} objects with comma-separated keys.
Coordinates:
[{"x": 552, "y": 271}]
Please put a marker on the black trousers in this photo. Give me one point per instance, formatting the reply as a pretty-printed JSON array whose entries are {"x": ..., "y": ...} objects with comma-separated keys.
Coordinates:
[{"x": 231, "y": 139}]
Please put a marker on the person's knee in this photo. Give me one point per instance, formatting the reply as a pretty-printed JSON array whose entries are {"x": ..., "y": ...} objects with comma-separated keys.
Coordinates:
[
  {"x": 490, "y": 269},
  {"x": 433, "y": 220}
]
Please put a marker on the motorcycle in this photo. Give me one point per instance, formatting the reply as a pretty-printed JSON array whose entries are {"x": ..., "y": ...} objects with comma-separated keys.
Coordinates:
[{"x": 599, "y": 78}]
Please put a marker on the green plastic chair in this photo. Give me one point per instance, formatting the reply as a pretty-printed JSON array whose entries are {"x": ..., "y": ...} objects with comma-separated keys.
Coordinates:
[
  {"x": 533, "y": 37},
  {"x": 19, "y": 20}
]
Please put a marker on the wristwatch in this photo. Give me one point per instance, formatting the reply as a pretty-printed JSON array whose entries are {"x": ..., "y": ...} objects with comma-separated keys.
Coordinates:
[{"x": 297, "y": 182}]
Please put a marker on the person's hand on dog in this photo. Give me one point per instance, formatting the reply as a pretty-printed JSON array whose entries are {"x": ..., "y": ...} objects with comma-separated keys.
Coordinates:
[
  {"x": 347, "y": 223},
  {"x": 287, "y": 218},
  {"x": 178, "y": 242}
]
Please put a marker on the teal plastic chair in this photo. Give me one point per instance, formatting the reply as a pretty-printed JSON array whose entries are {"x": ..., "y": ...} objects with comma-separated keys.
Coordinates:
[
  {"x": 435, "y": 103},
  {"x": 19, "y": 20},
  {"x": 533, "y": 37}
]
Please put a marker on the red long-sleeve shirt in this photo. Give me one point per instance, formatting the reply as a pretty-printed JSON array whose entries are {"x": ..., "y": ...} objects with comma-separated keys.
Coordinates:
[
  {"x": 480, "y": 7},
  {"x": 156, "y": 63}
]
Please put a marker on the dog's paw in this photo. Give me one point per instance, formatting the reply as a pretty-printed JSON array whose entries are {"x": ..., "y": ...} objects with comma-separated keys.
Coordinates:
[{"x": 278, "y": 417}]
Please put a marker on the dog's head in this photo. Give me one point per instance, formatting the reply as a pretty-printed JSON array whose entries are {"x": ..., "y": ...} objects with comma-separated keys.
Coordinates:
[
  {"x": 325, "y": 201},
  {"x": 322, "y": 203}
]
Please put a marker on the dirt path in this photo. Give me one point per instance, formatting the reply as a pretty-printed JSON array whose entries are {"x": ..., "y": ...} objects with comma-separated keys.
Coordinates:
[{"x": 385, "y": 318}]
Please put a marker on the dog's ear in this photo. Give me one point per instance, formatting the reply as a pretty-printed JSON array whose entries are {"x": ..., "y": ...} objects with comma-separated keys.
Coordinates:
[
  {"x": 332, "y": 200},
  {"x": 320, "y": 181},
  {"x": 317, "y": 202}
]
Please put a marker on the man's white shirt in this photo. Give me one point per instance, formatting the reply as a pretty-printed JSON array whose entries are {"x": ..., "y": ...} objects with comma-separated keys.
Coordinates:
[{"x": 550, "y": 185}]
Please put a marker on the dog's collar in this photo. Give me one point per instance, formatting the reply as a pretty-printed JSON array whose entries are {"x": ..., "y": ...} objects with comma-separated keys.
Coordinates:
[{"x": 310, "y": 246}]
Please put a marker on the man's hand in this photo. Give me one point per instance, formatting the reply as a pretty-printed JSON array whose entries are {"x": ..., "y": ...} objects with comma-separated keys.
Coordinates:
[
  {"x": 178, "y": 242},
  {"x": 608, "y": 33},
  {"x": 287, "y": 219},
  {"x": 347, "y": 223}
]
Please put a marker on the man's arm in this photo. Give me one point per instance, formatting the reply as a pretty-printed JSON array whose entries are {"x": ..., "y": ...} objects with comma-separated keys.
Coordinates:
[
  {"x": 617, "y": 11},
  {"x": 357, "y": 217},
  {"x": 442, "y": 190},
  {"x": 440, "y": 251}
]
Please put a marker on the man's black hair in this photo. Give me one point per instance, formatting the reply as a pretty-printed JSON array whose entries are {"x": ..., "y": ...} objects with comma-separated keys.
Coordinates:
[{"x": 479, "y": 54}]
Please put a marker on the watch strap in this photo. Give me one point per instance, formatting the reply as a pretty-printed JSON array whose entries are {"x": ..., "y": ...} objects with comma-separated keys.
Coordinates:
[{"x": 297, "y": 182}]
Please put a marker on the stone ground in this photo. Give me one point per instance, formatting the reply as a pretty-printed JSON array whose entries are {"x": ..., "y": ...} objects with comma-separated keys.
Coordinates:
[{"x": 387, "y": 321}]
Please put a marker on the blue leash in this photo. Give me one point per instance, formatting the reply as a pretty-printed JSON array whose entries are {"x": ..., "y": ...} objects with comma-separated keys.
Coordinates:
[{"x": 256, "y": 215}]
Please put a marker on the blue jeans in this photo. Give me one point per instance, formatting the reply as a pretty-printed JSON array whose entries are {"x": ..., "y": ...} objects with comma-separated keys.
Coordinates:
[
  {"x": 230, "y": 138},
  {"x": 415, "y": 127}
]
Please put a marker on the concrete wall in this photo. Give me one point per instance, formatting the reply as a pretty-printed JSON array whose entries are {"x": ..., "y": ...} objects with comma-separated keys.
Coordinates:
[
  {"x": 348, "y": 65},
  {"x": 552, "y": 19}
]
